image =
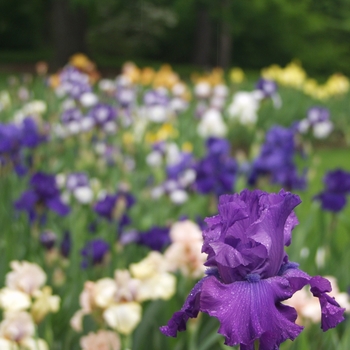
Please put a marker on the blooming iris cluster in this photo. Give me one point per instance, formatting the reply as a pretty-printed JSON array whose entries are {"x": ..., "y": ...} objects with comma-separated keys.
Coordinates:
[
  {"x": 180, "y": 173},
  {"x": 117, "y": 302},
  {"x": 276, "y": 160},
  {"x": 25, "y": 302},
  {"x": 73, "y": 82},
  {"x": 249, "y": 273},
  {"x": 42, "y": 195},
  {"x": 337, "y": 187},
  {"x": 216, "y": 172}
]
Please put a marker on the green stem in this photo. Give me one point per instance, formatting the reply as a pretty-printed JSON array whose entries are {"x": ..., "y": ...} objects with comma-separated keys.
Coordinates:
[{"x": 126, "y": 341}]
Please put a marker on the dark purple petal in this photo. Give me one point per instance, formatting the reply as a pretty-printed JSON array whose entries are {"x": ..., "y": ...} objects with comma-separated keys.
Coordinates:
[
  {"x": 249, "y": 311},
  {"x": 66, "y": 244},
  {"x": 332, "y": 201},
  {"x": 57, "y": 206},
  {"x": 190, "y": 309},
  {"x": 332, "y": 313},
  {"x": 27, "y": 201},
  {"x": 94, "y": 252},
  {"x": 156, "y": 238},
  {"x": 337, "y": 181}
]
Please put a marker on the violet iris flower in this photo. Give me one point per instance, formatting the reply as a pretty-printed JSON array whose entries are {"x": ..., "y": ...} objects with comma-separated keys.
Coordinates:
[
  {"x": 317, "y": 114},
  {"x": 10, "y": 146},
  {"x": 31, "y": 137},
  {"x": 156, "y": 97},
  {"x": 216, "y": 172},
  {"x": 75, "y": 180},
  {"x": 267, "y": 87},
  {"x": 94, "y": 252},
  {"x": 114, "y": 207},
  {"x": 337, "y": 186},
  {"x": 73, "y": 82},
  {"x": 102, "y": 114},
  {"x": 276, "y": 160},
  {"x": 249, "y": 274},
  {"x": 43, "y": 194},
  {"x": 156, "y": 238}
]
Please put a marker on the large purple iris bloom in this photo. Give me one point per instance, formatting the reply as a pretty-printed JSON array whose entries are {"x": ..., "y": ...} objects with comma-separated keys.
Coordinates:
[
  {"x": 337, "y": 187},
  {"x": 276, "y": 159},
  {"x": 43, "y": 193},
  {"x": 249, "y": 274},
  {"x": 216, "y": 172}
]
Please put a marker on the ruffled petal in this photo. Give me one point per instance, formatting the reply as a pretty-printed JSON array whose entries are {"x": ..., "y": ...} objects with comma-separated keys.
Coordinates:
[
  {"x": 269, "y": 229},
  {"x": 251, "y": 310},
  {"x": 297, "y": 278},
  {"x": 190, "y": 309},
  {"x": 332, "y": 313}
]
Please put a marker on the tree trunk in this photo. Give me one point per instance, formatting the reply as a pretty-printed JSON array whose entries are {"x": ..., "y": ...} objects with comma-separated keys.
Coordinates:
[
  {"x": 69, "y": 25},
  {"x": 225, "y": 40},
  {"x": 203, "y": 38}
]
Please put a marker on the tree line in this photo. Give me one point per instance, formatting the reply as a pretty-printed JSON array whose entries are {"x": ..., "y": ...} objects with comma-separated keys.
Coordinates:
[{"x": 246, "y": 33}]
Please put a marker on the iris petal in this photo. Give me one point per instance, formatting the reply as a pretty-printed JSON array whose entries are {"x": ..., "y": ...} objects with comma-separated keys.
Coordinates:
[
  {"x": 332, "y": 313},
  {"x": 249, "y": 311},
  {"x": 190, "y": 309}
]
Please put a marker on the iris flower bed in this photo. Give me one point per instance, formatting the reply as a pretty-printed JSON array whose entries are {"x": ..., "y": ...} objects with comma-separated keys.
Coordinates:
[{"x": 153, "y": 211}]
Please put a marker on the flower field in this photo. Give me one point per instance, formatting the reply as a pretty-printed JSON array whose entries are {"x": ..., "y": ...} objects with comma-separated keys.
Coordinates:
[{"x": 150, "y": 210}]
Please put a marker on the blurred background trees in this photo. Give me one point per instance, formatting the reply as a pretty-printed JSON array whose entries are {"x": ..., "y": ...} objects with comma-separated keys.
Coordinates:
[{"x": 250, "y": 34}]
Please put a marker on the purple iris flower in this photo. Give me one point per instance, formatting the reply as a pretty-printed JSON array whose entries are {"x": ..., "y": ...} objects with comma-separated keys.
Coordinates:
[
  {"x": 73, "y": 82},
  {"x": 10, "y": 147},
  {"x": 31, "y": 137},
  {"x": 42, "y": 194},
  {"x": 276, "y": 160},
  {"x": 337, "y": 186},
  {"x": 216, "y": 172},
  {"x": 267, "y": 87},
  {"x": 114, "y": 207},
  {"x": 317, "y": 114},
  {"x": 102, "y": 114},
  {"x": 71, "y": 115},
  {"x": 126, "y": 97},
  {"x": 75, "y": 180},
  {"x": 156, "y": 97},
  {"x": 156, "y": 238},
  {"x": 249, "y": 274},
  {"x": 48, "y": 239},
  {"x": 185, "y": 162},
  {"x": 94, "y": 251}
]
